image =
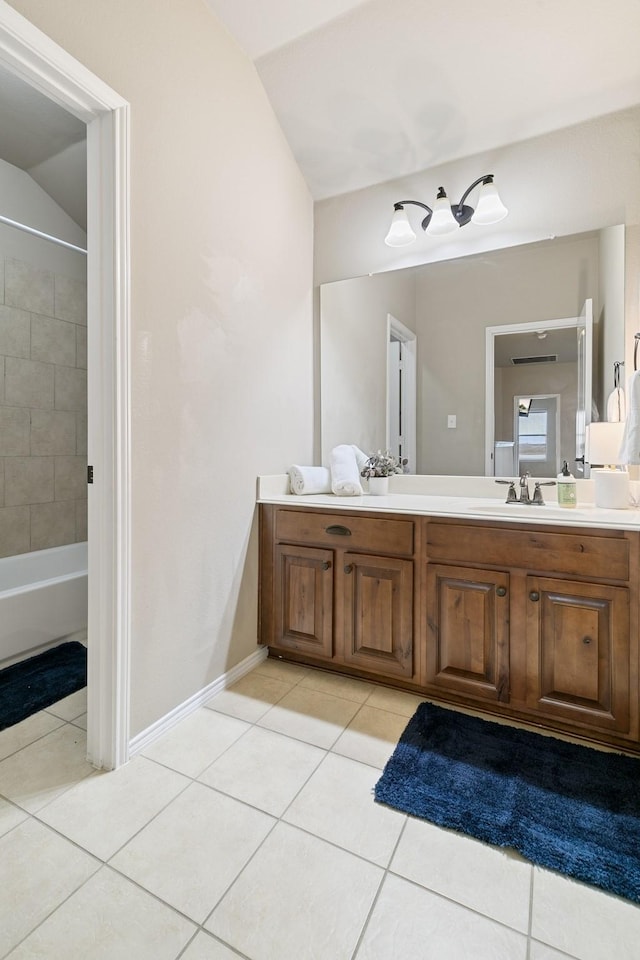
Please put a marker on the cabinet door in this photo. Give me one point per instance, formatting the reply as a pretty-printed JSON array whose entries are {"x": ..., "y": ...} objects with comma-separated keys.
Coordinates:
[
  {"x": 578, "y": 652},
  {"x": 378, "y": 614},
  {"x": 468, "y": 631},
  {"x": 304, "y": 599}
]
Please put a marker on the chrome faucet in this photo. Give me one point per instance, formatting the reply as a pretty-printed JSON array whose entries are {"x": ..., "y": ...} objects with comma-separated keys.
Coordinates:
[
  {"x": 524, "y": 488},
  {"x": 525, "y": 497}
]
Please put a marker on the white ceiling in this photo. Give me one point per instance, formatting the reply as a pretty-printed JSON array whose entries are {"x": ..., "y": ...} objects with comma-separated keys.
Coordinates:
[
  {"x": 370, "y": 91},
  {"x": 46, "y": 141}
]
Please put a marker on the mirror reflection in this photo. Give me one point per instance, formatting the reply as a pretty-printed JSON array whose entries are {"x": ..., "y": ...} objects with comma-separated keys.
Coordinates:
[{"x": 440, "y": 362}]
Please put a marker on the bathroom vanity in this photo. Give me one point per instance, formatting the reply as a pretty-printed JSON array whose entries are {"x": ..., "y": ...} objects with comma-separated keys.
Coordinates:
[{"x": 531, "y": 615}]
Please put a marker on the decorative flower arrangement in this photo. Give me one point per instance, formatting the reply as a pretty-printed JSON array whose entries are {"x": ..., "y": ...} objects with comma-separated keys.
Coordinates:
[{"x": 381, "y": 465}]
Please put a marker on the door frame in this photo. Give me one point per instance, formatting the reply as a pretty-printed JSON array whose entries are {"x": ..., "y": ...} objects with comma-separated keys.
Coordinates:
[
  {"x": 516, "y": 432},
  {"x": 489, "y": 396},
  {"x": 409, "y": 340},
  {"x": 36, "y": 59}
]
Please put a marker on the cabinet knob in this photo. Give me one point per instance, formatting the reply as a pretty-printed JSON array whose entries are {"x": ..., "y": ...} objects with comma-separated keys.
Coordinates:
[
  {"x": 348, "y": 568},
  {"x": 586, "y": 639},
  {"x": 326, "y": 565},
  {"x": 534, "y": 595},
  {"x": 501, "y": 591}
]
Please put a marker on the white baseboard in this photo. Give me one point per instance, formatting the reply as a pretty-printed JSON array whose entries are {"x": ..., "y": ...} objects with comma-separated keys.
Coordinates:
[{"x": 144, "y": 739}]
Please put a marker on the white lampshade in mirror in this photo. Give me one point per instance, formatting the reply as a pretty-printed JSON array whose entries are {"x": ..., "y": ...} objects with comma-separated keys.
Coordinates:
[
  {"x": 400, "y": 232},
  {"x": 603, "y": 443},
  {"x": 442, "y": 220},
  {"x": 490, "y": 208}
]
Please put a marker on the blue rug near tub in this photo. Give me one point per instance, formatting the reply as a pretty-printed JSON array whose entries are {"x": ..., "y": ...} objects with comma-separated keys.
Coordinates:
[
  {"x": 569, "y": 808},
  {"x": 36, "y": 683}
]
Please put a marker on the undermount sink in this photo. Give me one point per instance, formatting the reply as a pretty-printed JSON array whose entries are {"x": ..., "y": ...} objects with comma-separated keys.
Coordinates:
[{"x": 527, "y": 509}]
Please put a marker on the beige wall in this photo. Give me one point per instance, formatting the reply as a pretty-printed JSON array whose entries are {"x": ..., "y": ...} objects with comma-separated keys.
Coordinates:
[
  {"x": 581, "y": 178},
  {"x": 543, "y": 378},
  {"x": 221, "y": 234},
  {"x": 571, "y": 181},
  {"x": 456, "y": 302},
  {"x": 353, "y": 345}
]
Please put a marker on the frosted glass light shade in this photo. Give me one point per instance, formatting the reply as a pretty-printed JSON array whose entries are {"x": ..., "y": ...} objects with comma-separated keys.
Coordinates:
[
  {"x": 442, "y": 220},
  {"x": 603, "y": 443},
  {"x": 400, "y": 232},
  {"x": 490, "y": 208}
]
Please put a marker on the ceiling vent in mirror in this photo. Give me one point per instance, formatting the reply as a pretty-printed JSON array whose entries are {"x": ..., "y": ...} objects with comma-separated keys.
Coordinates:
[{"x": 550, "y": 358}]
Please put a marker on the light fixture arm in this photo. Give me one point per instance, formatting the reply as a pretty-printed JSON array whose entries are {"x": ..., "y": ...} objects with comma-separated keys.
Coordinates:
[
  {"x": 487, "y": 178},
  {"x": 464, "y": 213},
  {"x": 425, "y": 223}
]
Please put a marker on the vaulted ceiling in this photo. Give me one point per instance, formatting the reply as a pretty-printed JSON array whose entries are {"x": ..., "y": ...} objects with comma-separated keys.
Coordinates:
[{"x": 370, "y": 90}]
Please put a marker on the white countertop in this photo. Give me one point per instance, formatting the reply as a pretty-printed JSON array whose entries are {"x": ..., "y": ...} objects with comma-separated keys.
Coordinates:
[{"x": 471, "y": 498}]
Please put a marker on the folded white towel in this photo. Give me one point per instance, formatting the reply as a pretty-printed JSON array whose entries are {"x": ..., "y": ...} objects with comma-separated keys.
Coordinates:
[
  {"x": 345, "y": 476},
  {"x": 308, "y": 480},
  {"x": 616, "y": 406},
  {"x": 630, "y": 448}
]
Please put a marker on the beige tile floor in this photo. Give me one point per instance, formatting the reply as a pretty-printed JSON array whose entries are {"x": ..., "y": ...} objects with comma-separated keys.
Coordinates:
[{"x": 249, "y": 830}]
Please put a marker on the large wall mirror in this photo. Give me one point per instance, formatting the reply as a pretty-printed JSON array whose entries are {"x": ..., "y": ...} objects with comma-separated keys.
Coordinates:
[{"x": 485, "y": 402}]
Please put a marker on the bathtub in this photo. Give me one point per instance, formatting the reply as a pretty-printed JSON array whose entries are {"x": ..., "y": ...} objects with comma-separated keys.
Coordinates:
[{"x": 43, "y": 598}]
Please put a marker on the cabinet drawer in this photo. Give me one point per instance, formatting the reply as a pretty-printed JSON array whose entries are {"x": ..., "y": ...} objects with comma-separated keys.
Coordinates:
[
  {"x": 577, "y": 554},
  {"x": 370, "y": 534}
]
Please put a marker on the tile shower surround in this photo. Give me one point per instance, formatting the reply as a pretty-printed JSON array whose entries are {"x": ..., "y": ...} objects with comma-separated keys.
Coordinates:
[{"x": 43, "y": 408}]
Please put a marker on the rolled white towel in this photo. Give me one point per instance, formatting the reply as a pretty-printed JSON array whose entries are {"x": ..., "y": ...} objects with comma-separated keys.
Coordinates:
[
  {"x": 308, "y": 480},
  {"x": 345, "y": 476},
  {"x": 361, "y": 458}
]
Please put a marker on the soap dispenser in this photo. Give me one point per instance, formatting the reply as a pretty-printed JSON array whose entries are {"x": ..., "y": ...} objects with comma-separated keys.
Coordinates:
[{"x": 566, "y": 487}]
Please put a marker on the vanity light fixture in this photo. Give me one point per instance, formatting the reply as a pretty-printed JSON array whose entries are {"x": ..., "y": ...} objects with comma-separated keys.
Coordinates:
[{"x": 445, "y": 217}]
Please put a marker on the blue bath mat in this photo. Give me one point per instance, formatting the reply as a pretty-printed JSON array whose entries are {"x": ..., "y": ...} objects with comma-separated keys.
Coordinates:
[
  {"x": 36, "y": 683},
  {"x": 569, "y": 808}
]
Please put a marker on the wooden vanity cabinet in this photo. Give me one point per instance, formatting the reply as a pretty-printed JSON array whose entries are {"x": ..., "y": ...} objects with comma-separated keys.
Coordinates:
[
  {"x": 577, "y": 640},
  {"x": 467, "y": 642},
  {"x": 339, "y": 589},
  {"x": 536, "y": 620},
  {"x": 529, "y": 622}
]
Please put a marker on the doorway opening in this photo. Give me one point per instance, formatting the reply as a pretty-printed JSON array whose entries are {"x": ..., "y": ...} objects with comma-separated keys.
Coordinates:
[
  {"x": 536, "y": 430},
  {"x": 401, "y": 392},
  {"x": 545, "y": 358},
  {"x": 30, "y": 55}
]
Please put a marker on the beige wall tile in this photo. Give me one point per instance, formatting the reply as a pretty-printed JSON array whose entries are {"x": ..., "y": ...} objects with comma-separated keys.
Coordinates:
[
  {"x": 53, "y": 524},
  {"x": 14, "y": 432},
  {"x": 28, "y": 287},
  {"x": 53, "y": 341},
  {"x": 70, "y": 299},
  {"x": 81, "y": 347},
  {"x": 81, "y": 434},
  {"x": 1, "y": 280},
  {"x": 53, "y": 432},
  {"x": 70, "y": 478},
  {"x": 1, "y": 483},
  {"x": 28, "y": 480},
  {"x": 81, "y": 521},
  {"x": 14, "y": 531},
  {"x": 28, "y": 383},
  {"x": 71, "y": 389},
  {"x": 14, "y": 332},
  {"x": 1, "y": 379}
]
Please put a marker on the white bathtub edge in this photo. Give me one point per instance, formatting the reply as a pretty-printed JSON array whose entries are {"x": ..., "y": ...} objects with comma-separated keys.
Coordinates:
[{"x": 146, "y": 737}]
